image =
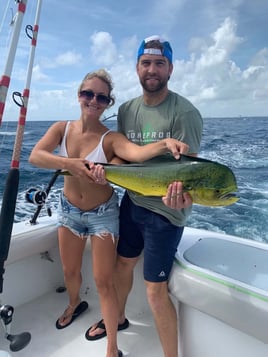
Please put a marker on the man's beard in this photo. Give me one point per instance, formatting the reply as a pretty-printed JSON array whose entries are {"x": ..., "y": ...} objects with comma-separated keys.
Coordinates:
[{"x": 153, "y": 89}]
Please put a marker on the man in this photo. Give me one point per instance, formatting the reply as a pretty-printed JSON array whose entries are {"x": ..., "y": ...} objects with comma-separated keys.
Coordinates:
[{"x": 152, "y": 224}]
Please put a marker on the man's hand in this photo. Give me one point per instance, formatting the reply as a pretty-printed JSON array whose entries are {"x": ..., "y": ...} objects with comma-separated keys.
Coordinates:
[
  {"x": 176, "y": 198},
  {"x": 176, "y": 147}
]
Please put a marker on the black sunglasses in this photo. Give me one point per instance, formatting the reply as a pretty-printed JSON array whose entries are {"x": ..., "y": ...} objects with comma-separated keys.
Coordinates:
[{"x": 100, "y": 98}]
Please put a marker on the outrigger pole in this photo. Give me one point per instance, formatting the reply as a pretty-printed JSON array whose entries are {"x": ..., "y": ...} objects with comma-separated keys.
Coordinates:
[
  {"x": 12, "y": 182},
  {"x": 19, "y": 341},
  {"x": 5, "y": 79}
]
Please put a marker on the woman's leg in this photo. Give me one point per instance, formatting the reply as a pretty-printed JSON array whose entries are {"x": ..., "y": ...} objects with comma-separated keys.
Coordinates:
[
  {"x": 71, "y": 251},
  {"x": 103, "y": 259}
]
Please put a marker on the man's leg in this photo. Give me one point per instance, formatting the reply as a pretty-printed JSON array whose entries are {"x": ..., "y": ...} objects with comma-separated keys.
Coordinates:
[
  {"x": 161, "y": 240},
  {"x": 165, "y": 316},
  {"x": 129, "y": 248}
]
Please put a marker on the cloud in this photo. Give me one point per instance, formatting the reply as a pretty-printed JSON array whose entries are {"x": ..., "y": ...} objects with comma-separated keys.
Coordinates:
[
  {"x": 68, "y": 58},
  {"x": 212, "y": 80},
  {"x": 103, "y": 50},
  {"x": 261, "y": 58},
  {"x": 219, "y": 62},
  {"x": 38, "y": 75},
  {"x": 166, "y": 11},
  {"x": 42, "y": 107},
  {"x": 224, "y": 41}
]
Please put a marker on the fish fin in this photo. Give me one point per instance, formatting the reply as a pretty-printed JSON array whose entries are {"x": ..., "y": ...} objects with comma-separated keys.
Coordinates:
[
  {"x": 119, "y": 165},
  {"x": 168, "y": 158},
  {"x": 184, "y": 158}
]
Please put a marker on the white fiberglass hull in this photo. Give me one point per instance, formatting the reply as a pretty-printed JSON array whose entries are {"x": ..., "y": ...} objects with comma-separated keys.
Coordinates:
[
  {"x": 221, "y": 283},
  {"x": 216, "y": 317}
]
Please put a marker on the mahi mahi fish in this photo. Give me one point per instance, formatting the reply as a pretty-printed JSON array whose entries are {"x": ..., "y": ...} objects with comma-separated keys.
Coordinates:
[{"x": 208, "y": 182}]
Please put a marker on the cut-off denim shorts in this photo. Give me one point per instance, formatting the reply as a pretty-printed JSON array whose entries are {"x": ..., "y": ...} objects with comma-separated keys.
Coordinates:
[{"x": 99, "y": 221}]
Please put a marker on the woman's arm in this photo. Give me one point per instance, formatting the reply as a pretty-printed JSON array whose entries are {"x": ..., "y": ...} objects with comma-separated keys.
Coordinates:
[
  {"x": 42, "y": 154},
  {"x": 129, "y": 151}
]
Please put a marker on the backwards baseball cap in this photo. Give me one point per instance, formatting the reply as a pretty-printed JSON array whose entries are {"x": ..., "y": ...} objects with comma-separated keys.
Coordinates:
[{"x": 165, "y": 51}]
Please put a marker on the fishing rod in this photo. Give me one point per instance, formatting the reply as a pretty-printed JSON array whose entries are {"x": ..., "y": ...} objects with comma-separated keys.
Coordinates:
[
  {"x": 12, "y": 182},
  {"x": 111, "y": 116},
  {"x": 11, "y": 187},
  {"x": 5, "y": 79},
  {"x": 39, "y": 197}
]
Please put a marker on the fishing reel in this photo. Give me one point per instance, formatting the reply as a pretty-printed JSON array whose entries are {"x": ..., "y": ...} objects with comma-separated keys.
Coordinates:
[
  {"x": 19, "y": 341},
  {"x": 37, "y": 197}
]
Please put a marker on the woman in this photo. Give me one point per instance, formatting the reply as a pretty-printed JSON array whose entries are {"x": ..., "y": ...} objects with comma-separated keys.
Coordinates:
[{"x": 87, "y": 208}]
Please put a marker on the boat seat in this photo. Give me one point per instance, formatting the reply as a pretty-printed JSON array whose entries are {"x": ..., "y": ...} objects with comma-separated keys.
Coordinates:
[
  {"x": 226, "y": 279},
  {"x": 243, "y": 263}
]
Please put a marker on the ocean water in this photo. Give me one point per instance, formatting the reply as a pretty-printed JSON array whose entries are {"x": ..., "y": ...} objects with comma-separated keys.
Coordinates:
[{"x": 240, "y": 143}]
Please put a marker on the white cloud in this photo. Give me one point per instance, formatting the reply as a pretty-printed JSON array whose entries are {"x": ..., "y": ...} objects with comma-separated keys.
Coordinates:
[
  {"x": 261, "y": 57},
  {"x": 103, "y": 50},
  {"x": 211, "y": 77},
  {"x": 42, "y": 107},
  {"x": 166, "y": 11},
  {"x": 220, "y": 53},
  {"x": 224, "y": 42},
  {"x": 38, "y": 74},
  {"x": 68, "y": 58}
]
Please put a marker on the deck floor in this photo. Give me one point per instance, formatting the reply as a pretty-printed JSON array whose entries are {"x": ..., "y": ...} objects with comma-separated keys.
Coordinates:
[{"x": 39, "y": 316}]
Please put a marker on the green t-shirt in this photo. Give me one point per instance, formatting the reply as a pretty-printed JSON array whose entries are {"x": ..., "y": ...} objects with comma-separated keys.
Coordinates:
[{"x": 175, "y": 118}]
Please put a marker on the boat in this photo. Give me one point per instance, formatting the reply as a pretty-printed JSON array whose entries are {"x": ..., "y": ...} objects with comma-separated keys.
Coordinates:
[{"x": 219, "y": 285}]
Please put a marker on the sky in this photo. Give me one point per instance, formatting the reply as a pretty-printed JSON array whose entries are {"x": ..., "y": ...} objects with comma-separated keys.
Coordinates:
[{"x": 220, "y": 53}]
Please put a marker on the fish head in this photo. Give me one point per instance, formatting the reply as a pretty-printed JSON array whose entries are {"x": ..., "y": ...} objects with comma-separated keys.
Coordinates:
[
  {"x": 214, "y": 197},
  {"x": 216, "y": 186}
]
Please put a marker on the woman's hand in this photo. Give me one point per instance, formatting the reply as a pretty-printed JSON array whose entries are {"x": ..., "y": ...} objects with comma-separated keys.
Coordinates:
[
  {"x": 79, "y": 168},
  {"x": 98, "y": 173}
]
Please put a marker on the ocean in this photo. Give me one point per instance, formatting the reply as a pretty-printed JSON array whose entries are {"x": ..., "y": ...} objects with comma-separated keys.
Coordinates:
[{"x": 240, "y": 143}]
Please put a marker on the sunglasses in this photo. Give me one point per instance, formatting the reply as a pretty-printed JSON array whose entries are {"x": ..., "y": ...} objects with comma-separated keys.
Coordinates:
[{"x": 100, "y": 98}]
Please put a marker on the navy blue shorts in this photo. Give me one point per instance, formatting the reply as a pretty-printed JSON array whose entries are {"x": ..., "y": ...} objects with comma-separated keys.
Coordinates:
[{"x": 141, "y": 229}]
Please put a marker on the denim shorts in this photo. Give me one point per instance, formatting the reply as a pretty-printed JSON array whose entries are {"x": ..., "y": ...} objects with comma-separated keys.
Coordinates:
[
  {"x": 99, "y": 221},
  {"x": 144, "y": 230}
]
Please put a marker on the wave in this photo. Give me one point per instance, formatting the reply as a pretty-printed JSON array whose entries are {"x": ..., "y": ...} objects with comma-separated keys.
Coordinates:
[
  {"x": 237, "y": 144},
  {"x": 8, "y": 133}
]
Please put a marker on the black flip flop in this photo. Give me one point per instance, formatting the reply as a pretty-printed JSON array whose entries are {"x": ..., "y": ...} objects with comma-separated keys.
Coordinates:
[
  {"x": 78, "y": 311},
  {"x": 101, "y": 325}
]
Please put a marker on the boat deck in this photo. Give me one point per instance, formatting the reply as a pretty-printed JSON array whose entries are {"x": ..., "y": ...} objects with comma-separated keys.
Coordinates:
[
  {"x": 214, "y": 308},
  {"x": 39, "y": 316},
  {"x": 30, "y": 285},
  {"x": 140, "y": 339}
]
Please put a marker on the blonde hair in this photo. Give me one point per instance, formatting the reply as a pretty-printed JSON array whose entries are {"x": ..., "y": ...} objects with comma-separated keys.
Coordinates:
[{"x": 103, "y": 76}]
